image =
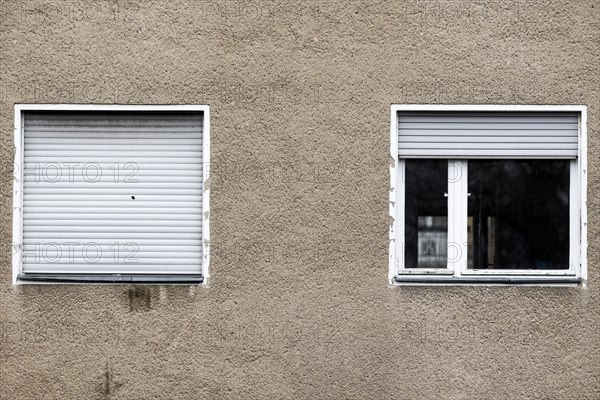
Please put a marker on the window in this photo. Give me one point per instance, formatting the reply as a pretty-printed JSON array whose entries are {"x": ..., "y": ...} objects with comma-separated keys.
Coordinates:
[
  {"x": 111, "y": 194},
  {"x": 488, "y": 194}
]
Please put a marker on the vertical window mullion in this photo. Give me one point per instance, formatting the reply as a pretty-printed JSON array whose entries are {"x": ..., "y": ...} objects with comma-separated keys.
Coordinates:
[
  {"x": 463, "y": 225},
  {"x": 457, "y": 216},
  {"x": 452, "y": 216}
]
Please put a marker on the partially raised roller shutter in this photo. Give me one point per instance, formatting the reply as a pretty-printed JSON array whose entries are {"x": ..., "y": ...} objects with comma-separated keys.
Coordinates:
[
  {"x": 112, "y": 192},
  {"x": 487, "y": 134}
]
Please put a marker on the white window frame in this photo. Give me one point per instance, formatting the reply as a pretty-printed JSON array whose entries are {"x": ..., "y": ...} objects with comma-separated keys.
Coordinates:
[
  {"x": 457, "y": 271},
  {"x": 17, "y": 265}
]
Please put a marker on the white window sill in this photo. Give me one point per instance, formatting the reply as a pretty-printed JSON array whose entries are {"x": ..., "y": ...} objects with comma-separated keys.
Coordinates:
[
  {"x": 406, "y": 280},
  {"x": 111, "y": 279}
]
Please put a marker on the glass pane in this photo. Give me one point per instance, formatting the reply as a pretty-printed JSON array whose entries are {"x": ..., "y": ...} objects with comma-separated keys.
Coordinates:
[
  {"x": 426, "y": 214},
  {"x": 518, "y": 214}
]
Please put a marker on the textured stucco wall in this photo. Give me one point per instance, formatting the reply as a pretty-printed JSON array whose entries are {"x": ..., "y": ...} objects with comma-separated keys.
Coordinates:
[{"x": 298, "y": 304}]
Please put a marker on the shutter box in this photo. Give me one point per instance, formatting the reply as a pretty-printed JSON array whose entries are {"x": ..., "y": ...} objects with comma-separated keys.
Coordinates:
[{"x": 482, "y": 134}]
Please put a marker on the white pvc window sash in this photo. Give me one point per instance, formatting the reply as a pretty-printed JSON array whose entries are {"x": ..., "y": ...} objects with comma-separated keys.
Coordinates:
[{"x": 457, "y": 197}]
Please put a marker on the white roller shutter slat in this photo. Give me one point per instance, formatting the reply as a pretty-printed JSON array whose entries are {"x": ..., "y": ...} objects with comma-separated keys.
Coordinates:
[
  {"x": 82, "y": 162},
  {"x": 128, "y": 256},
  {"x": 122, "y": 191},
  {"x": 125, "y": 175},
  {"x": 147, "y": 244},
  {"x": 447, "y": 134},
  {"x": 131, "y": 205},
  {"x": 99, "y": 199},
  {"x": 95, "y": 203},
  {"x": 98, "y": 153},
  {"x": 56, "y": 223},
  {"x": 68, "y": 216},
  {"x": 181, "y": 211},
  {"x": 42, "y": 186},
  {"x": 117, "y": 229},
  {"x": 122, "y": 147}
]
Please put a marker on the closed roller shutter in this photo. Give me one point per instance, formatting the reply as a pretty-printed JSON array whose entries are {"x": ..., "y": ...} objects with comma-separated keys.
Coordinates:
[
  {"x": 112, "y": 192},
  {"x": 487, "y": 134}
]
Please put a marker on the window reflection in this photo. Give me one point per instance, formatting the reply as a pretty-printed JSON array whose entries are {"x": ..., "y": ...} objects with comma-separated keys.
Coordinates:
[
  {"x": 518, "y": 214},
  {"x": 426, "y": 214}
]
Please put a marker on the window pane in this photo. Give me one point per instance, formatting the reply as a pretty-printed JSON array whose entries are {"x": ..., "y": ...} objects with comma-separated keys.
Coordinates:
[
  {"x": 426, "y": 214},
  {"x": 518, "y": 214}
]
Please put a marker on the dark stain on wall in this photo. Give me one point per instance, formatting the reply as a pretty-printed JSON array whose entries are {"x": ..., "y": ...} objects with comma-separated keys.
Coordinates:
[
  {"x": 140, "y": 299},
  {"x": 108, "y": 386}
]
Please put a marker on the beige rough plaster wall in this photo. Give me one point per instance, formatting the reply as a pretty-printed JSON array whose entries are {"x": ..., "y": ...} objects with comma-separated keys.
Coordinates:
[{"x": 298, "y": 305}]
